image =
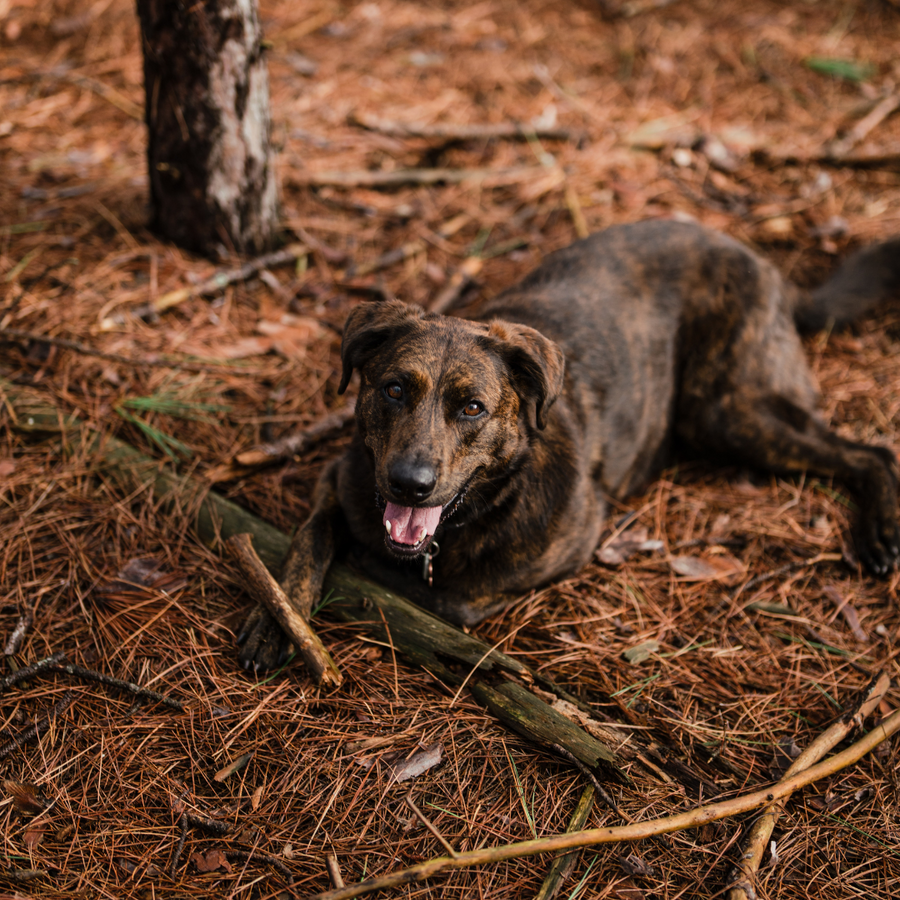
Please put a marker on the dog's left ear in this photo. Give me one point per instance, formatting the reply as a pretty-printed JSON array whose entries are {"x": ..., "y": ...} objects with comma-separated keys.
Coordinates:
[
  {"x": 368, "y": 327},
  {"x": 537, "y": 365}
]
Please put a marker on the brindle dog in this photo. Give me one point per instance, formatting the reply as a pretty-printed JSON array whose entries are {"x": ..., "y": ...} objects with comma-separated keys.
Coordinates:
[{"x": 499, "y": 438}]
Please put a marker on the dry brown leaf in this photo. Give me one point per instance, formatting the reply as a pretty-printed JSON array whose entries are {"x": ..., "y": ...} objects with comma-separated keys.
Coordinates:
[
  {"x": 290, "y": 335},
  {"x": 695, "y": 568},
  {"x": 211, "y": 861},
  {"x": 27, "y": 798},
  {"x": 625, "y": 545},
  {"x": 34, "y": 834},
  {"x": 420, "y": 762},
  {"x": 233, "y": 767},
  {"x": 848, "y": 611},
  {"x": 7, "y": 467},
  {"x": 641, "y": 652}
]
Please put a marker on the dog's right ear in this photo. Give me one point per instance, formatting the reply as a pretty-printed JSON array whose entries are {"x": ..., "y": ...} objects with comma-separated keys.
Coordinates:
[{"x": 368, "y": 327}]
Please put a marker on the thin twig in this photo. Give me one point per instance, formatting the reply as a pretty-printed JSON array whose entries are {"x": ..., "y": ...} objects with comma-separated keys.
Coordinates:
[
  {"x": 222, "y": 279},
  {"x": 398, "y": 177},
  {"x": 453, "y": 132},
  {"x": 786, "y": 569},
  {"x": 839, "y": 148},
  {"x": 26, "y": 620},
  {"x": 298, "y": 442},
  {"x": 456, "y": 285},
  {"x": 130, "y": 687},
  {"x": 85, "y": 350},
  {"x": 702, "y": 815},
  {"x": 110, "y": 94},
  {"x": 757, "y": 839},
  {"x": 266, "y": 590},
  {"x": 179, "y": 847},
  {"x": 334, "y": 871},
  {"x": 214, "y": 826},
  {"x": 28, "y": 671},
  {"x": 39, "y": 727},
  {"x": 430, "y": 826},
  {"x": 256, "y": 856},
  {"x": 604, "y": 796},
  {"x": 389, "y": 258},
  {"x": 562, "y": 866}
]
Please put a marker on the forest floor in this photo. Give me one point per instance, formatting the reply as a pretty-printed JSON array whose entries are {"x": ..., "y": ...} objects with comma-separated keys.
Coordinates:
[{"x": 770, "y": 121}]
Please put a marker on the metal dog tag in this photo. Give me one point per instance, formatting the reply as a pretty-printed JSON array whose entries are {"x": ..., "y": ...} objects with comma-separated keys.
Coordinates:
[{"x": 427, "y": 564}]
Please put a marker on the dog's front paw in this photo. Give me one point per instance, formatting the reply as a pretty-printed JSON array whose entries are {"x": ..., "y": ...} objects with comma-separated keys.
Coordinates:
[
  {"x": 878, "y": 542},
  {"x": 263, "y": 645}
]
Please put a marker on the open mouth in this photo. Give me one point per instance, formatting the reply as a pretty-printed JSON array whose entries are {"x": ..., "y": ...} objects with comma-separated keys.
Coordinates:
[{"x": 409, "y": 529}]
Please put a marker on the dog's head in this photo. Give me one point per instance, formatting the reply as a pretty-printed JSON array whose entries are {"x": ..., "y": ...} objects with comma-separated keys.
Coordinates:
[{"x": 446, "y": 406}]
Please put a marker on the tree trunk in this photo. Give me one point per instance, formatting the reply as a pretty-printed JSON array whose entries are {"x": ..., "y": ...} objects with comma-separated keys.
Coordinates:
[{"x": 212, "y": 178}]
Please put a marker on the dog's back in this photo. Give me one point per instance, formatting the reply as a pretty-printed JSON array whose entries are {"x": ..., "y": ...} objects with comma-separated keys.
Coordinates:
[{"x": 659, "y": 317}]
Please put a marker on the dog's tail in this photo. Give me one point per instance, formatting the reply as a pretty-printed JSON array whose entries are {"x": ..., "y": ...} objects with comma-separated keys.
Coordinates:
[{"x": 865, "y": 279}]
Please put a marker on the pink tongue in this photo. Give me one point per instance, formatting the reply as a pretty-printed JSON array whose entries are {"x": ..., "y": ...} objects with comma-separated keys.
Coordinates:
[{"x": 409, "y": 525}]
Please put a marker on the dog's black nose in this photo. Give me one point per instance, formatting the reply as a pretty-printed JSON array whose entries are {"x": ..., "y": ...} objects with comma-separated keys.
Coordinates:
[{"x": 412, "y": 481}]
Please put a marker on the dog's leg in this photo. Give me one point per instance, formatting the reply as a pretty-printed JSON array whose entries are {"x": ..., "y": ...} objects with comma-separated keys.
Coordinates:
[
  {"x": 263, "y": 643},
  {"x": 776, "y": 434}
]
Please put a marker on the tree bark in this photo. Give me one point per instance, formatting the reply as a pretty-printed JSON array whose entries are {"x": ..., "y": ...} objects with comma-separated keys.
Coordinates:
[{"x": 212, "y": 178}]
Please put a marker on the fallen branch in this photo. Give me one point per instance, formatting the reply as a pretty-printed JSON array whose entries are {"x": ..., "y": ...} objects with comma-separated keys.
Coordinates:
[
  {"x": 457, "y": 284},
  {"x": 217, "y": 282},
  {"x": 450, "y": 132},
  {"x": 562, "y": 866},
  {"x": 68, "y": 668},
  {"x": 757, "y": 840},
  {"x": 266, "y": 590},
  {"x": 144, "y": 361},
  {"x": 592, "y": 837},
  {"x": 839, "y": 149},
  {"x": 399, "y": 177},
  {"x": 27, "y": 672},
  {"x": 285, "y": 448}
]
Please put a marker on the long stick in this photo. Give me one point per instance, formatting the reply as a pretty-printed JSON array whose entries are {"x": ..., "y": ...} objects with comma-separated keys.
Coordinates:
[
  {"x": 77, "y": 347},
  {"x": 223, "y": 278},
  {"x": 712, "y": 812},
  {"x": 758, "y": 838},
  {"x": 298, "y": 442},
  {"x": 453, "y": 132},
  {"x": 397, "y": 177},
  {"x": 265, "y": 589}
]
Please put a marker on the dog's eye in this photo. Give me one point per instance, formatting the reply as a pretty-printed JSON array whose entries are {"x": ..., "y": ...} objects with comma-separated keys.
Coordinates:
[
  {"x": 473, "y": 408},
  {"x": 393, "y": 391}
]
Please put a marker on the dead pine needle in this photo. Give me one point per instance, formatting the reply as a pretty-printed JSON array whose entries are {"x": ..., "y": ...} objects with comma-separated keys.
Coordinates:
[
  {"x": 38, "y": 728},
  {"x": 637, "y": 831}
]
